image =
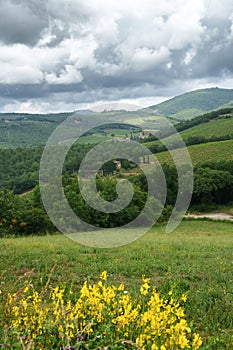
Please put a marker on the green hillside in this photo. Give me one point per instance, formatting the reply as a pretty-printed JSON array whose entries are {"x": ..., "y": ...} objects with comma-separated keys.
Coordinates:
[
  {"x": 214, "y": 126},
  {"x": 219, "y": 127},
  {"x": 194, "y": 103},
  {"x": 27, "y": 129},
  {"x": 203, "y": 153}
]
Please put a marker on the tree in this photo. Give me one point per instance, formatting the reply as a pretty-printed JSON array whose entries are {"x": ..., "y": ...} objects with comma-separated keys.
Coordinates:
[
  {"x": 109, "y": 167},
  {"x": 212, "y": 186}
]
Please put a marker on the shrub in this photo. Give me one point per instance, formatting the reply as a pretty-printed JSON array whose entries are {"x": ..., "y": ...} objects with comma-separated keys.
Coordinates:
[{"x": 102, "y": 317}]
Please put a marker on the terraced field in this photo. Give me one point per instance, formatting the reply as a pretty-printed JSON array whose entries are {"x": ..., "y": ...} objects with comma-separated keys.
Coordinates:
[
  {"x": 219, "y": 127},
  {"x": 206, "y": 152}
]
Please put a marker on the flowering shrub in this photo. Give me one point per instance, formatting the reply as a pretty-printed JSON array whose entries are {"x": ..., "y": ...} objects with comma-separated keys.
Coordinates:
[{"x": 102, "y": 317}]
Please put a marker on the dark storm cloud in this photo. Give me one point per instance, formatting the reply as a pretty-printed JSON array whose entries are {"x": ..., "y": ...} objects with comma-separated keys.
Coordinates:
[
  {"x": 214, "y": 64},
  {"x": 214, "y": 57},
  {"x": 19, "y": 24},
  {"x": 31, "y": 91},
  {"x": 21, "y": 91}
]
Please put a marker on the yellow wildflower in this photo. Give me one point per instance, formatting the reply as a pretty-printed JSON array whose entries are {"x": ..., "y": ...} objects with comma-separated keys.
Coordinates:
[
  {"x": 101, "y": 310},
  {"x": 197, "y": 342},
  {"x": 121, "y": 287},
  {"x": 145, "y": 286},
  {"x": 184, "y": 297},
  {"x": 103, "y": 276}
]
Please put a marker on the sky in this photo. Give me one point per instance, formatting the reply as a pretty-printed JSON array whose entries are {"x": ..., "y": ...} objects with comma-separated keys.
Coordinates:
[{"x": 63, "y": 55}]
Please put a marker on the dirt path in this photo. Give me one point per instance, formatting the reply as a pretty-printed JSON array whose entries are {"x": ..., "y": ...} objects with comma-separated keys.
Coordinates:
[{"x": 214, "y": 216}]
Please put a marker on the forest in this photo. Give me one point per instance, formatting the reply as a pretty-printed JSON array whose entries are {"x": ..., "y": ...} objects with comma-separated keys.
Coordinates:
[{"x": 24, "y": 214}]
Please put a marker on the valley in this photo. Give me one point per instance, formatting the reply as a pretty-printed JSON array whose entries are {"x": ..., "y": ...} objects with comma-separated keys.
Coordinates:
[{"x": 195, "y": 260}]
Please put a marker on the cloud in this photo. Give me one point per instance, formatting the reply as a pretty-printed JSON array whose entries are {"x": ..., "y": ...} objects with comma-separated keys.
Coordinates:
[
  {"x": 68, "y": 75},
  {"x": 145, "y": 58},
  {"x": 19, "y": 23},
  {"x": 220, "y": 10},
  {"x": 106, "y": 50}
]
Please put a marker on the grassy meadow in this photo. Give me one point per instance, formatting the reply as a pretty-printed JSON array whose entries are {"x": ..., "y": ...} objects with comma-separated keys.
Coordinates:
[{"x": 195, "y": 259}]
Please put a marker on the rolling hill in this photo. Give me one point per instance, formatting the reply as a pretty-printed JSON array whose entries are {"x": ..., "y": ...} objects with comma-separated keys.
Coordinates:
[
  {"x": 218, "y": 129},
  {"x": 26, "y": 130},
  {"x": 194, "y": 103}
]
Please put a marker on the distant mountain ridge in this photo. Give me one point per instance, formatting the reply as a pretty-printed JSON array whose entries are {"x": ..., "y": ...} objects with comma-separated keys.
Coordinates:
[
  {"x": 84, "y": 111},
  {"x": 191, "y": 104}
]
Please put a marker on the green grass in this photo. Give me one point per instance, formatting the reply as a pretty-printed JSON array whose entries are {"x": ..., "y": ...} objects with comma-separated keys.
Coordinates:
[
  {"x": 196, "y": 258},
  {"x": 203, "y": 153}
]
